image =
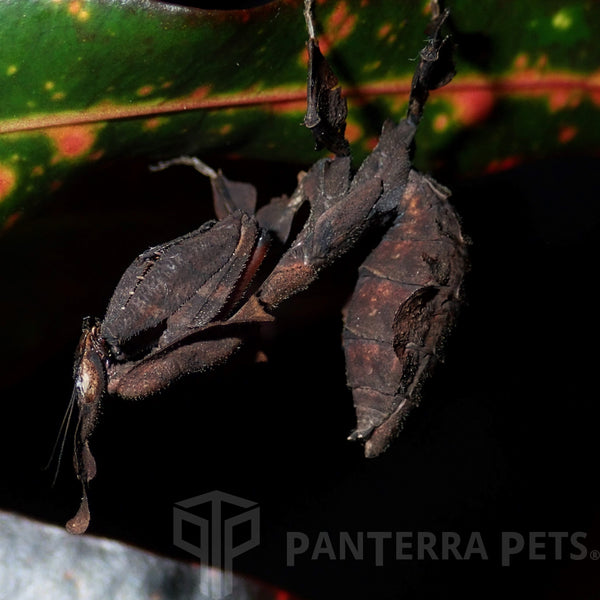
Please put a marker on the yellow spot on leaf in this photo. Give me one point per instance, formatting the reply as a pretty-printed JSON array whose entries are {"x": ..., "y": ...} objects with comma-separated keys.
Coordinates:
[
  {"x": 7, "y": 181},
  {"x": 12, "y": 69},
  {"x": 72, "y": 141},
  {"x": 10, "y": 221},
  {"x": 372, "y": 66},
  {"x": 562, "y": 20},
  {"x": 441, "y": 122},
  {"x": 384, "y": 30},
  {"x": 37, "y": 171},
  {"x": 542, "y": 61},
  {"x": 49, "y": 85},
  {"x": 353, "y": 132},
  {"x": 76, "y": 9},
  {"x": 502, "y": 164},
  {"x": 96, "y": 155},
  {"x": 145, "y": 90},
  {"x": 567, "y": 133},
  {"x": 153, "y": 123},
  {"x": 341, "y": 22},
  {"x": 521, "y": 61},
  {"x": 303, "y": 56},
  {"x": 58, "y": 96},
  {"x": 200, "y": 92}
]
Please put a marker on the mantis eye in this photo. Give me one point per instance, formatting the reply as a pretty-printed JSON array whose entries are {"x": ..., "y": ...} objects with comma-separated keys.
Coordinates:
[{"x": 89, "y": 380}]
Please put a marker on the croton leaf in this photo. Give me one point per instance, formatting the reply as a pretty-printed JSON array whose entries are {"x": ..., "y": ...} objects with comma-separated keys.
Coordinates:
[{"x": 91, "y": 80}]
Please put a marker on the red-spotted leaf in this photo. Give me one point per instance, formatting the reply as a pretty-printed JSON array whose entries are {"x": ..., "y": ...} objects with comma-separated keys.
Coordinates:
[{"x": 90, "y": 80}]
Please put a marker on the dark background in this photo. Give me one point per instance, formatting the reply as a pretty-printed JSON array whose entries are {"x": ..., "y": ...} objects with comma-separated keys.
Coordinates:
[{"x": 505, "y": 439}]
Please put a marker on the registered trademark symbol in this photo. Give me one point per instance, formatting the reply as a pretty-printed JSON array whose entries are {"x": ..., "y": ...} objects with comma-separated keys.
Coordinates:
[{"x": 595, "y": 554}]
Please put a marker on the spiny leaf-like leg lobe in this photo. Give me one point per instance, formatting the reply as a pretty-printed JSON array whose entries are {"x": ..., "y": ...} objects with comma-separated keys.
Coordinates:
[
  {"x": 343, "y": 208},
  {"x": 165, "y": 278},
  {"x": 215, "y": 259},
  {"x": 326, "y": 110},
  {"x": 137, "y": 379},
  {"x": 405, "y": 301}
]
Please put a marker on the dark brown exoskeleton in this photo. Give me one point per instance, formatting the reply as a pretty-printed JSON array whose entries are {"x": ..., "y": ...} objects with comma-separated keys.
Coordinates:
[{"x": 188, "y": 305}]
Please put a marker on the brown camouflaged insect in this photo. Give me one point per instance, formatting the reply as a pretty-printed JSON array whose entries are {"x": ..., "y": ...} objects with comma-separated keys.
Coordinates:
[{"x": 189, "y": 304}]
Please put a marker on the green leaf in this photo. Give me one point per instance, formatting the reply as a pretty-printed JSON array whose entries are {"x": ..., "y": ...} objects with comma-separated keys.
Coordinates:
[
  {"x": 90, "y": 80},
  {"x": 117, "y": 79}
]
